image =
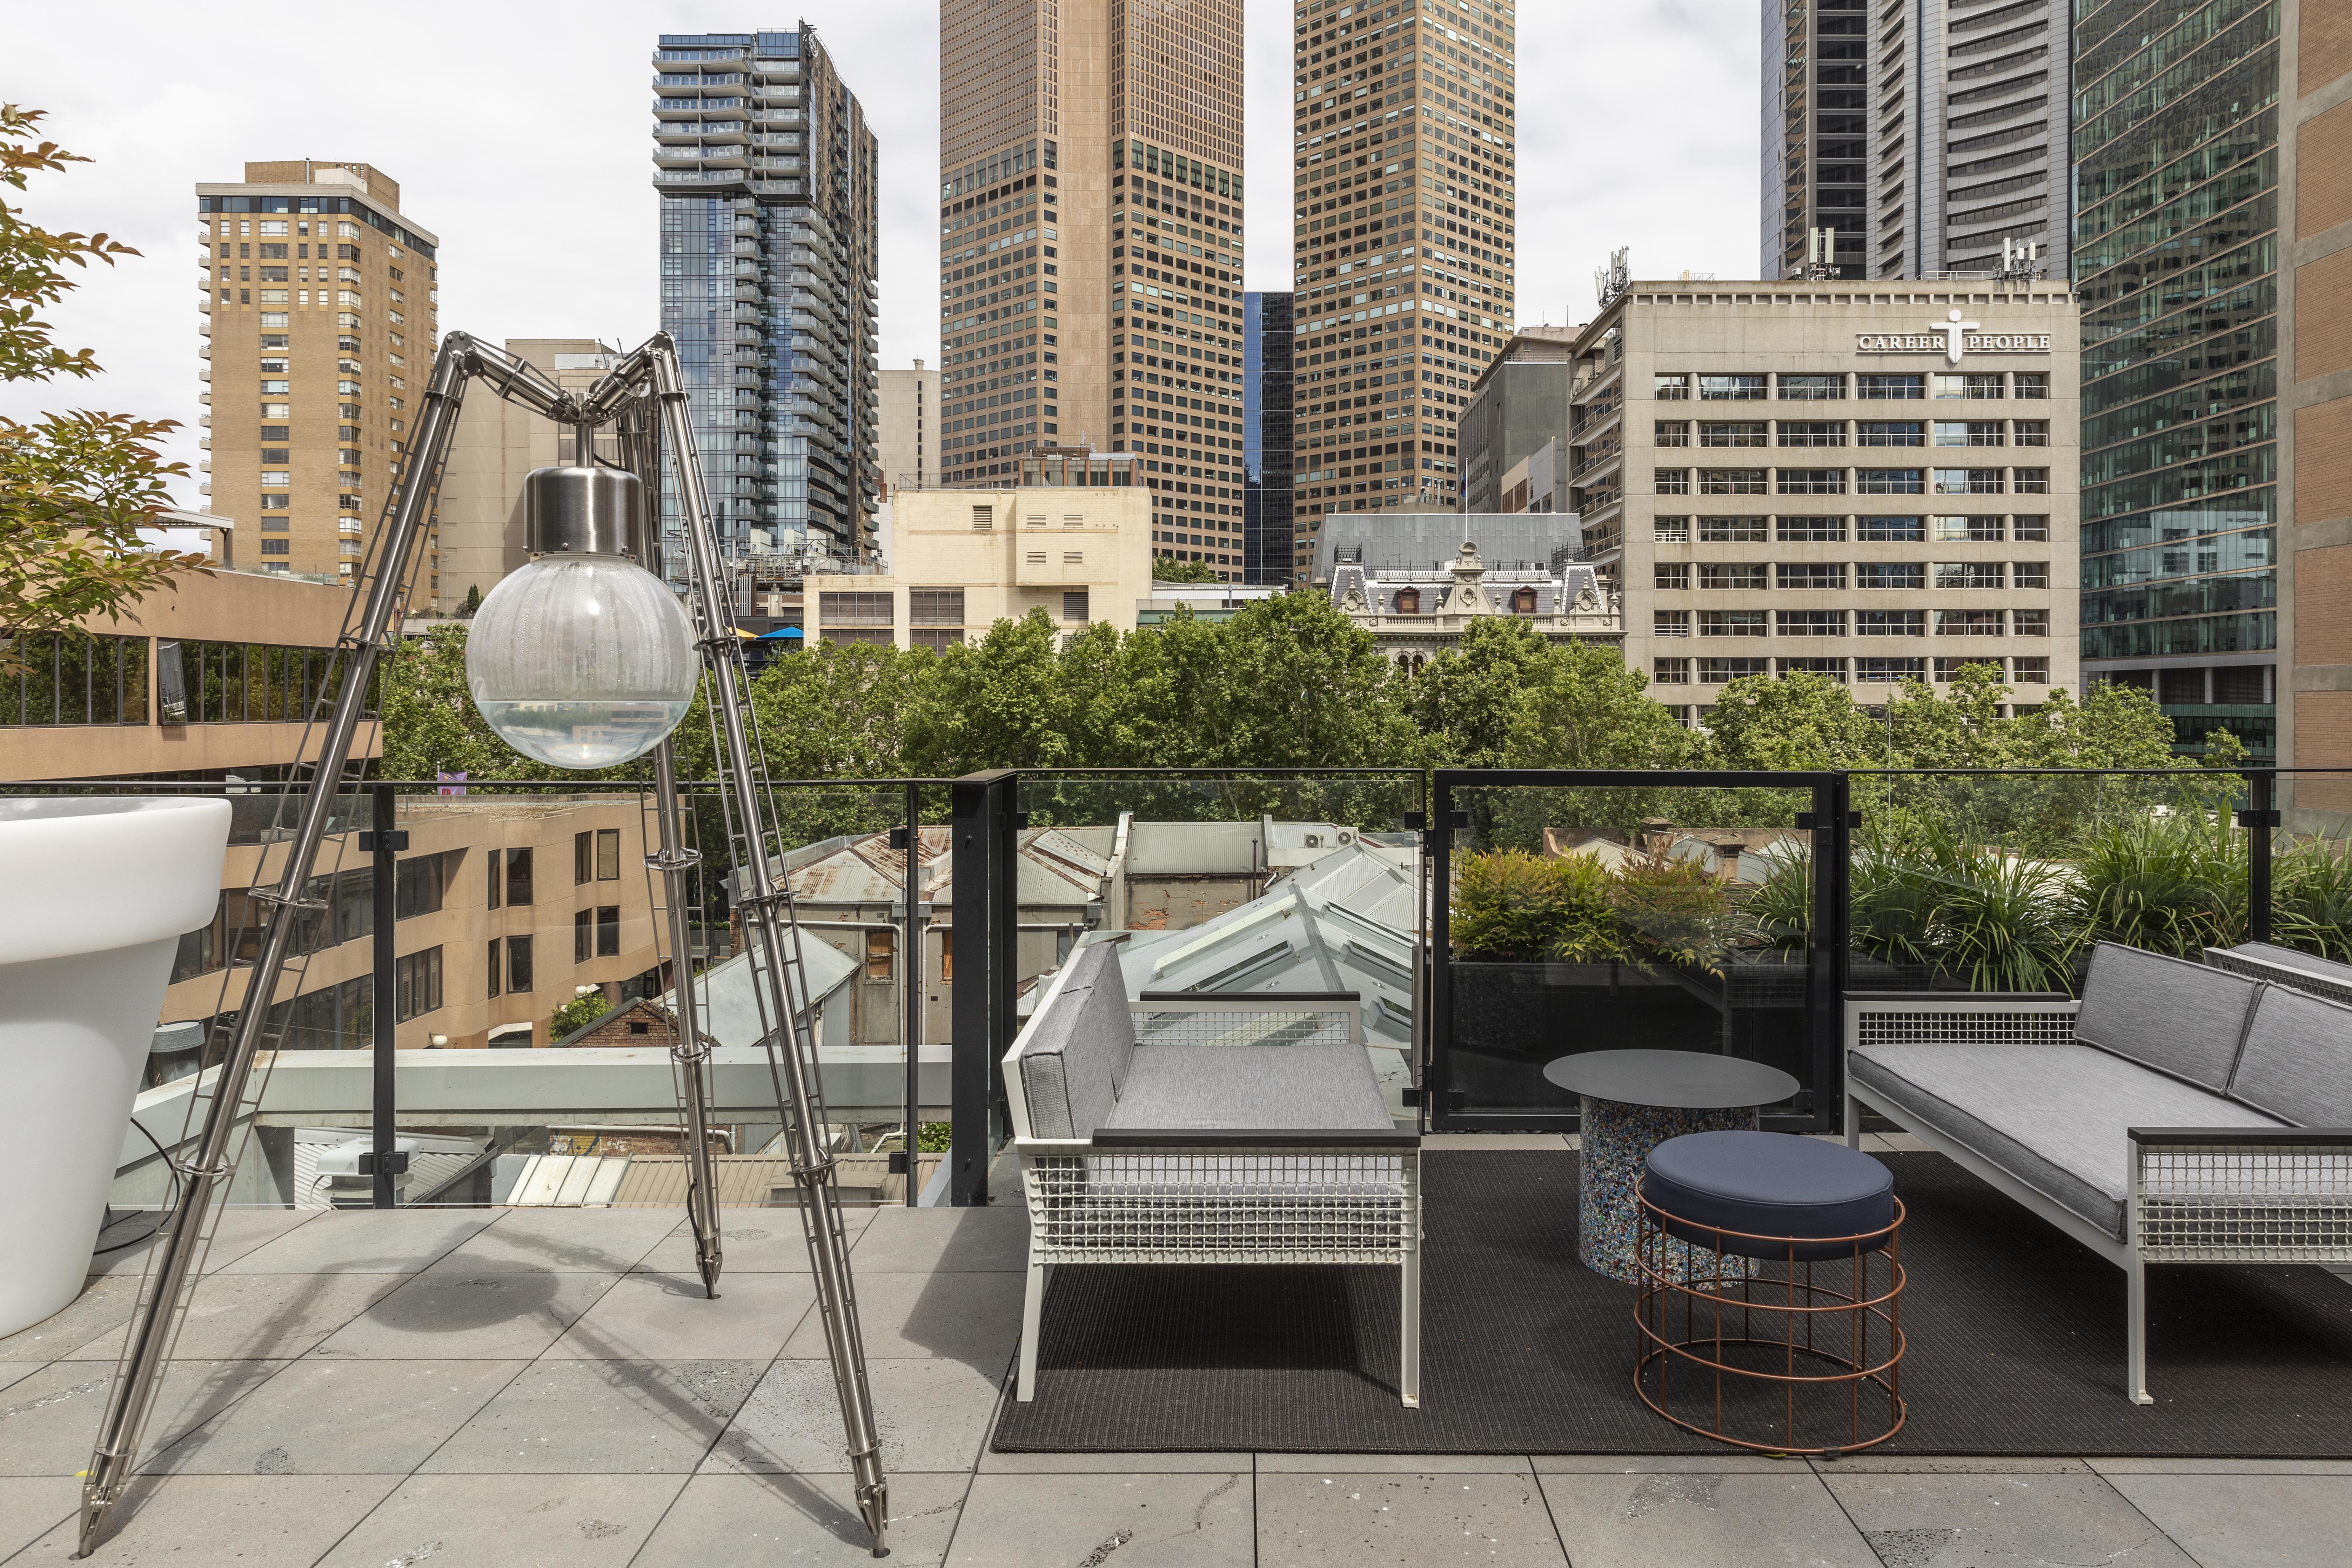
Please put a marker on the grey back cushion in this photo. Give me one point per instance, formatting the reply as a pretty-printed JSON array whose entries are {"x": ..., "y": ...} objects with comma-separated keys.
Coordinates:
[
  {"x": 2297, "y": 1064},
  {"x": 2176, "y": 1016},
  {"x": 1075, "y": 1060}
]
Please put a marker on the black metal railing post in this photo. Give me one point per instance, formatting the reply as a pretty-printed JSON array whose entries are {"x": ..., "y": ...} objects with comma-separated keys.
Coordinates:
[
  {"x": 978, "y": 801},
  {"x": 917, "y": 984},
  {"x": 1437, "y": 844},
  {"x": 385, "y": 843},
  {"x": 2259, "y": 817},
  {"x": 1832, "y": 929}
]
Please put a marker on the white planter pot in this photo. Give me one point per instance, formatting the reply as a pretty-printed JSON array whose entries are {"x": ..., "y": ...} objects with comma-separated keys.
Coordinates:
[{"x": 94, "y": 893}]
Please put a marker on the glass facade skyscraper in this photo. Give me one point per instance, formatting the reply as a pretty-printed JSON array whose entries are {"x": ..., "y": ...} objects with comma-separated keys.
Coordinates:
[
  {"x": 1922, "y": 134},
  {"x": 767, "y": 176},
  {"x": 2177, "y": 260},
  {"x": 1266, "y": 555}
]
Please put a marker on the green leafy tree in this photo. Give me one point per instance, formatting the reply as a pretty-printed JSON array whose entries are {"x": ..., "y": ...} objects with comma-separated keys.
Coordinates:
[
  {"x": 1467, "y": 700},
  {"x": 1302, "y": 686},
  {"x": 1590, "y": 711},
  {"x": 1800, "y": 721},
  {"x": 1184, "y": 572},
  {"x": 577, "y": 1013},
  {"x": 75, "y": 487},
  {"x": 991, "y": 703},
  {"x": 2113, "y": 726},
  {"x": 473, "y": 602},
  {"x": 837, "y": 710},
  {"x": 1961, "y": 728}
]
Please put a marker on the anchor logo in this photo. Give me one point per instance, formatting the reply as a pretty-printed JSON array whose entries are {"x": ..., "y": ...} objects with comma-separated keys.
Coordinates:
[{"x": 1954, "y": 330}]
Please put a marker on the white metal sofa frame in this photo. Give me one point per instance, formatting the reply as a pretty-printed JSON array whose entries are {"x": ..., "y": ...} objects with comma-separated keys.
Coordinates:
[
  {"x": 1196, "y": 1194},
  {"x": 2274, "y": 1195},
  {"x": 2284, "y": 966}
]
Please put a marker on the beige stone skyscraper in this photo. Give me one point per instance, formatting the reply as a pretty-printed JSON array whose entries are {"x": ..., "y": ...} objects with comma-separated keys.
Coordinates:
[
  {"x": 1404, "y": 184},
  {"x": 319, "y": 302},
  {"x": 1090, "y": 247}
]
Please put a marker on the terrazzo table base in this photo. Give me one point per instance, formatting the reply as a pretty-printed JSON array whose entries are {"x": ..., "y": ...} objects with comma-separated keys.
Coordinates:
[{"x": 1617, "y": 1140}]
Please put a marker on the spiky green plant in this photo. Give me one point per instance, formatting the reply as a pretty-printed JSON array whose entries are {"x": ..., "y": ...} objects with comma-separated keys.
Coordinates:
[
  {"x": 2001, "y": 920},
  {"x": 2170, "y": 881},
  {"x": 2311, "y": 898},
  {"x": 1893, "y": 904},
  {"x": 1780, "y": 912}
]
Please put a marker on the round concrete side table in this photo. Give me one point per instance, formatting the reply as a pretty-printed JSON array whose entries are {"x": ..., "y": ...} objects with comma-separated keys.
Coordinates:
[{"x": 1632, "y": 1101}]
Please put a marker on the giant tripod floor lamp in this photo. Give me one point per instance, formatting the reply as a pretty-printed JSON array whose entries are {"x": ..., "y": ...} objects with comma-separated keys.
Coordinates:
[{"x": 582, "y": 659}]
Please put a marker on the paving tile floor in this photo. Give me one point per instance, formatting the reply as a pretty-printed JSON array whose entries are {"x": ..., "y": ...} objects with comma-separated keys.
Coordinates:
[{"x": 489, "y": 1389}]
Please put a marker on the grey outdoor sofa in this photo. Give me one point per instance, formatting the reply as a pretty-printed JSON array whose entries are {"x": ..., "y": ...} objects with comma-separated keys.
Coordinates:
[
  {"x": 2176, "y": 1113},
  {"x": 2285, "y": 966},
  {"x": 1206, "y": 1128}
]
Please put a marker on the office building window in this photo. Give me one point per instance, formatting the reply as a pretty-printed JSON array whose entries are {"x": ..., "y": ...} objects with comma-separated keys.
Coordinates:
[
  {"x": 608, "y": 930},
  {"x": 415, "y": 984},
  {"x": 491, "y": 966},
  {"x": 1889, "y": 670},
  {"x": 1890, "y": 623},
  {"x": 584, "y": 935},
  {"x": 518, "y": 976},
  {"x": 519, "y": 878}
]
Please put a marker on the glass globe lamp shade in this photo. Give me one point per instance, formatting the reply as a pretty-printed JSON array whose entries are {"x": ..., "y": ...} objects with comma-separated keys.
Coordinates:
[{"x": 582, "y": 660}]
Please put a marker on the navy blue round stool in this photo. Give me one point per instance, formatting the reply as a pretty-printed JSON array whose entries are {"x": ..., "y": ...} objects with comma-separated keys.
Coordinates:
[{"x": 1782, "y": 1259}]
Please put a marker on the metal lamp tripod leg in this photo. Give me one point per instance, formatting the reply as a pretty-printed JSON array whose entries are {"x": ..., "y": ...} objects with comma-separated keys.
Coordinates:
[
  {"x": 692, "y": 1052},
  {"x": 780, "y": 969}
]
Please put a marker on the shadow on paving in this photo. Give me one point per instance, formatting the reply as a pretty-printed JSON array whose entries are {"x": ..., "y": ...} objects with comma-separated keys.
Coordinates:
[{"x": 2015, "y": 1335}]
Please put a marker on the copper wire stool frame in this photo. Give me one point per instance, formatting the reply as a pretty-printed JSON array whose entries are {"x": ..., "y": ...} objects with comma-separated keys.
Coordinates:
[{"x": 1714, "y": 1285}]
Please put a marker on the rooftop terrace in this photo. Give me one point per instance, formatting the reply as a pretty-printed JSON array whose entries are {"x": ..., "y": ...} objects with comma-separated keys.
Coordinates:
[{"x": 484, "y": 1386}]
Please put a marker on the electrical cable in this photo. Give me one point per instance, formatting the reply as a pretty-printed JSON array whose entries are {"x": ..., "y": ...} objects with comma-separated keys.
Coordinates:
[{"x": 169, "y": 1202}]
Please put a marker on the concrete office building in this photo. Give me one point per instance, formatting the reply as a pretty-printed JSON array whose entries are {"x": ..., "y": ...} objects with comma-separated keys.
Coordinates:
[
  {"x": 1517, "y": 403},
  {"x": 1266, "y": 427},
  {"x": 1874, "y": 484},
  {"x": 909, "y": 428},
  {"x": 1072, "y": 536},
  {"x": 1404, "y": 185},
  {"x": 2214, "y": 265},
  {"x": 495, "y": 444},
  {"x": 767, "y": 173},
  {"x": 1922, "y": 134},
  {"x": 1090, "y": 252},
  {"x": 319, "y": 301}
]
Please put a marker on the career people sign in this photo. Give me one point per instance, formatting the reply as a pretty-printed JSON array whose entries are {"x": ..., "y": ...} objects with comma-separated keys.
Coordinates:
[{"x": 1952, "y": 338}]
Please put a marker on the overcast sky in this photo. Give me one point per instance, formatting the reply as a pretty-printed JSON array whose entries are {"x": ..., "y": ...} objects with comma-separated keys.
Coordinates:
[{"x": 520, "y": 134}]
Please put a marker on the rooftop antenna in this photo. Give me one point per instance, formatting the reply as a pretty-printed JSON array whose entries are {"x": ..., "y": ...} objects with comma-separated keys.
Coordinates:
[
  {"x": 2021, "y": 259},
  {"x": 1821, "y": 255},
  {"x": 1613, "y": 279}
]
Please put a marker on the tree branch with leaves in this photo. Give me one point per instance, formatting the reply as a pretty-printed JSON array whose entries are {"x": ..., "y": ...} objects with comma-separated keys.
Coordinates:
[{"x": 75, "y": 487}]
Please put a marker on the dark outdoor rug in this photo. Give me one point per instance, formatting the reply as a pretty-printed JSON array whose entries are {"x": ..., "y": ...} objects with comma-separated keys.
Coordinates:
[{"x": 2016, "y": 1343}]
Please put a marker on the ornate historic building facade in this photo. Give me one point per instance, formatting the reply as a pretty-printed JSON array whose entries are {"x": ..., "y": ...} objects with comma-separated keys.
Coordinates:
[{"x": 1415, "y": 612}]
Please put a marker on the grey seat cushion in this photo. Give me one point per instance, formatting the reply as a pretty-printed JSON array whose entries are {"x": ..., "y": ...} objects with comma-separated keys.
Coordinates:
[
  {"x": 2179, "y": 1017},
  {"x": 1314, "y": 1085},
  {"x": 1074, "y": 1058},
  {"x": 2297, "y": 1064},
  {"x": 2054, "y": 1117}
]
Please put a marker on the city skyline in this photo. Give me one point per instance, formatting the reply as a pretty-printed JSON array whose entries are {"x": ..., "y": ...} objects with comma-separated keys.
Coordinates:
[{"x": 576, "y": 256}]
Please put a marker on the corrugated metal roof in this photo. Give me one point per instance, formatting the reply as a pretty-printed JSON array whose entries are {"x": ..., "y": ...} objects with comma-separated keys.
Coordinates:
[{"x": 1344, "y": 923}]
